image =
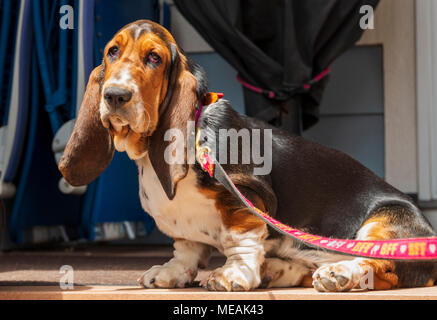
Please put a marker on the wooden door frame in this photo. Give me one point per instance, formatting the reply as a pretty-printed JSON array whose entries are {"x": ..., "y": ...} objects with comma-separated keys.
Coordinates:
[
  {"x": 426, "y": 17},
  {"x": 394, "y": 30}
]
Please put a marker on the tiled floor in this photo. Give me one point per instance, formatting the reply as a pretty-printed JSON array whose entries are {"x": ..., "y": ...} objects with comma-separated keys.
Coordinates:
[{"x": 111, "y": 272}]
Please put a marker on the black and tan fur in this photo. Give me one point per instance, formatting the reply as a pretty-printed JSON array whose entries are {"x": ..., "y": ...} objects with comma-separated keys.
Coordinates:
[{"x": 311, "y": 187}]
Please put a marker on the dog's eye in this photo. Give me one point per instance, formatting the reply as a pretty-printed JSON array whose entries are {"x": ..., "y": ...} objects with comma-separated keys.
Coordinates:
[
  {"x": 153, "y": 57},
  {"x": 113, "y": 52}
]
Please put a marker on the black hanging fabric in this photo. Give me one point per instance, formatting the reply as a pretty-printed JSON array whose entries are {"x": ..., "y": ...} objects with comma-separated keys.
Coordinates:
[{"x": 278, "y": 46}]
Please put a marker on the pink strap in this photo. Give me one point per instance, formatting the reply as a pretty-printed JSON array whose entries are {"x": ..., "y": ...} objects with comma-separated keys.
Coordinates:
[
  {"x": 198, "y": 112},
  {"x": 271, "y": 94},
  {"x": 394, "y": 249}
]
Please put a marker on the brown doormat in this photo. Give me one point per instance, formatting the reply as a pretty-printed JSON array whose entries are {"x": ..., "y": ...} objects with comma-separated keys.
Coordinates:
[{"x": 96, "y": 265}]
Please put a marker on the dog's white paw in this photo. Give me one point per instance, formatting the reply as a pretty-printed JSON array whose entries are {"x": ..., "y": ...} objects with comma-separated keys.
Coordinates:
[
  {"x": 336, "y": 277},
  {"x": 233, "y": 277},
  {"x": 169, "y": 275}
]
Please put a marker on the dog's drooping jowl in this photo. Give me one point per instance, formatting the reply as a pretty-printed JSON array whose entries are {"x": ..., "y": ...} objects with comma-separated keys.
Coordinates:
[{"x": 146, "y": 86}]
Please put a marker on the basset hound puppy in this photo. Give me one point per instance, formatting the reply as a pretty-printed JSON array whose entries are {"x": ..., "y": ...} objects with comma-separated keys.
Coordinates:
[{"x": 146, "y": 86}]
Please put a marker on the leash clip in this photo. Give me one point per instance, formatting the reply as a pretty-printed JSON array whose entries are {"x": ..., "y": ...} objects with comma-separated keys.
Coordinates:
[
  {"x": 202, "y": 156},
  {"x": 206, "y": 163}
]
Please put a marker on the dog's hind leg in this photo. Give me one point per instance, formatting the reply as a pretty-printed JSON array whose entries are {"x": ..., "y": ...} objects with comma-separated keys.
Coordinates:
[{"x": 361, "y": 273}]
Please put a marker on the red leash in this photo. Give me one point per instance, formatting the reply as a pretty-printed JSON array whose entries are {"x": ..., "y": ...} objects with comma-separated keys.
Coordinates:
[{"x": 393, "y": 249}]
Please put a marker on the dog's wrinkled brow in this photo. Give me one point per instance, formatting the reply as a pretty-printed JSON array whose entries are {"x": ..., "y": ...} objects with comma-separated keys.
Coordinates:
[{"x": 137, "y": 30}]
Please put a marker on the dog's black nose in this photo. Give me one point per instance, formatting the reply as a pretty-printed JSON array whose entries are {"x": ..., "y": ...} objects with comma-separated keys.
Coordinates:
[{"x": 116, "y": 97}]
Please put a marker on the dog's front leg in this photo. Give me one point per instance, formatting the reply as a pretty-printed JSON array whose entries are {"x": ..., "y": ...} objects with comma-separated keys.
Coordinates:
[
  {"x": 244, "y": 250},
  {"x": 181, "y": 269}
]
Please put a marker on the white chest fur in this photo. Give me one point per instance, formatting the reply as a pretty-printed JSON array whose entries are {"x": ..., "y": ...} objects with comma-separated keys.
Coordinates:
[{"x": 189, "y": 215}]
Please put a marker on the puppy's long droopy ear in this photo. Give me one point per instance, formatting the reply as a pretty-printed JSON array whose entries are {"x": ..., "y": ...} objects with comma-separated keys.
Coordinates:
[
  {"x": 179, "y": 107},
  {"x": 90, "y": 148}
]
